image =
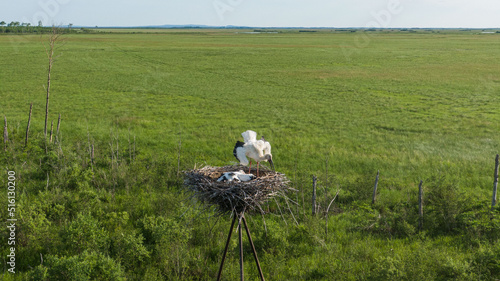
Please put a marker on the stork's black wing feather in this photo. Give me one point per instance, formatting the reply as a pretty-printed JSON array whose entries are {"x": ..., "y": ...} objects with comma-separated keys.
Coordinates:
[{"x": 238, "y": 145}]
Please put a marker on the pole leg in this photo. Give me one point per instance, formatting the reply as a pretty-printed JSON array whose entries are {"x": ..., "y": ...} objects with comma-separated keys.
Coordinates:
[
  {"x": 253, "y": 249},
  {"x": 241, "y": 248},
  {"x": 225, "y": 250}
]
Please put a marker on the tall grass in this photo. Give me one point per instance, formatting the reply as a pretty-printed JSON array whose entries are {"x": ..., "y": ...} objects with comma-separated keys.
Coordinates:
[{"x": 416, "y": 107}]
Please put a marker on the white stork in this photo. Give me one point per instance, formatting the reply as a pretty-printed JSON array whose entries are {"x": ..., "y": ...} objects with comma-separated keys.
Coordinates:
[
  {"x": 236, "y": 176},
  {"x": 258, "y": 150}
]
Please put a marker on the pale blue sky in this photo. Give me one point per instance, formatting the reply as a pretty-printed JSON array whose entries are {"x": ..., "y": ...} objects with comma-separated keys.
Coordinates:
[{"x": 283, "y": 13}]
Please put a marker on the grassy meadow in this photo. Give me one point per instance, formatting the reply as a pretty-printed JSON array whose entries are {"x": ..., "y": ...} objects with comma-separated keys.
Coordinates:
[{"x": 338, "y": 105}]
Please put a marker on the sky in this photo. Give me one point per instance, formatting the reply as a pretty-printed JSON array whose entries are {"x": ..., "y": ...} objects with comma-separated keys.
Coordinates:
[{"x": 257, "y": 13}]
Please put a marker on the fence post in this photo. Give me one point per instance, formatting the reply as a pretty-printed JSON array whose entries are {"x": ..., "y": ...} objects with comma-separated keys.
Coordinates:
[
  {"x": 495, "y": 184},
  {"x": 314, "y": 196},
  {"x": 375, "y": 188},
  {"x": 5, "y": 133},
  {"x": 58, "y": 126},
  {"x": 420, "y": 206},
  {"x": 51, "y": 130},
  {"x": 28, "y": 127}
]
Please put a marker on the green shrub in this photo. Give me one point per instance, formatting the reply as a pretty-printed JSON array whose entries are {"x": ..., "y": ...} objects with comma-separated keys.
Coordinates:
[
  {"x": 169, "y": 240},
  {"x": 389, "y": 268},
  {"x": 85, "y": 233},
  {"x": 443, "y": 204},
  {"x": 454, "y": 269},
  {"x": 88, "y": 265},
  {"x": 128, "y": 249}
]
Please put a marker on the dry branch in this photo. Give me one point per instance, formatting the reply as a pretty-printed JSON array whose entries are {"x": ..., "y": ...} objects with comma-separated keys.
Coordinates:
[
  {"x": 228, "y": 197},
  {"x": 50, "y": 51}
]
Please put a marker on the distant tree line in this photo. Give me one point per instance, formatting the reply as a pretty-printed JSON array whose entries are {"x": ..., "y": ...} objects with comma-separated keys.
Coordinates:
[{"x": 24, "y": 27}]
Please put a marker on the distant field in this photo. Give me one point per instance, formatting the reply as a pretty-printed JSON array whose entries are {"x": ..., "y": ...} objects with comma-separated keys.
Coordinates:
[
  {"x": 339, "y": 105},
  {"x": 407, "y": 104}
]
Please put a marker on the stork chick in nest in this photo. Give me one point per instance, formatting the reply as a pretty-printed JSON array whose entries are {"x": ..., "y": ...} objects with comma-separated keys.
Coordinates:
[{"x": 236, "y": 176}]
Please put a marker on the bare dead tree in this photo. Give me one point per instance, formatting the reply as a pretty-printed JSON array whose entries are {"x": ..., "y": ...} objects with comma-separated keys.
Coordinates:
[{"x": 50, "y": 48}]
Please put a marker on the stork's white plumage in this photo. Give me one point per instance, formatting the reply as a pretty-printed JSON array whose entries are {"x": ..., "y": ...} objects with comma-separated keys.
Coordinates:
[
  {"x": 236, "y": 176},
  {"x": 258, "y": 150}
]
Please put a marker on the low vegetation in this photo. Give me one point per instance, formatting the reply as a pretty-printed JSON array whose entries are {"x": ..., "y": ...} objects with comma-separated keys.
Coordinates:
[{"x": 105, "y": 199}]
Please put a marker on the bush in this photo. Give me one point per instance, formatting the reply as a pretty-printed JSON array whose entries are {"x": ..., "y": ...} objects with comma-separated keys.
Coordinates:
[
  {"x": 85, "y": 232},
  {"x": 443, "y": 204},
  {"x": 168, "y": 239},
  {"x": 88, "y": 265},
  {"x": 127, "y": 248}
]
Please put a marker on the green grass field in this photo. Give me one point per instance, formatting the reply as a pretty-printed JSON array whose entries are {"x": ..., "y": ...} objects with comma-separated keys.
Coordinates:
[{"x": 416, "y": 106}]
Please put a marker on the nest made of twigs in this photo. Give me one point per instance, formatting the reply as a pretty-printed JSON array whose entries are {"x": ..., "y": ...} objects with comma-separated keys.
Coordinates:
[{"x": 228, "y": 197}]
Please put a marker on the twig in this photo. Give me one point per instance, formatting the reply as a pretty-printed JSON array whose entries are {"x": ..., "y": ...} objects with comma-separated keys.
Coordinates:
[
  {"x": 286, "y": 200},
  {"x": 280, "y": 211},
  {"x": 326, "y": 215}
]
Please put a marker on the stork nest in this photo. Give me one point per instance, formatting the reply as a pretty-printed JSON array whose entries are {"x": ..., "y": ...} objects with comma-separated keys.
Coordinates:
[{"x": 228, "y": 197}]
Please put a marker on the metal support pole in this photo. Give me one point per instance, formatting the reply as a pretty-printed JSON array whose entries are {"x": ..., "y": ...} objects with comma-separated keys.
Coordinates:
[
  {"x": 241, "y": 218},
  {"x": 227, "y": 246},
  {"x": 241, "y": 248},
  {"x": 253, "y": 249}
]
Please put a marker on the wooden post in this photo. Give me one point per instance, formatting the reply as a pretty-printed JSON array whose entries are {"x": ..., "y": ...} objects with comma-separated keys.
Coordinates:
[
  {"x": 314, "y": 196},
  {"x": 51, "y": 130},
  {"x": 5, "y": 133},
  {"x": 495, "y": 184},
  {"x": 375, "y": 188},
  {"x": 112, "y": 152},
  {"x": 134, "y": 148},
  {"x": 117, "y": 150},
  {"x": 129, "y": 148},
  {"x": 28, "y": 127},
  {"x": 420, "y": 206},
  {"x": 50, "y": 54},
  {"x": 179, "y": 154},
  {"x": 92, "y": 155},
  {"x": 58, "y": 126}
]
